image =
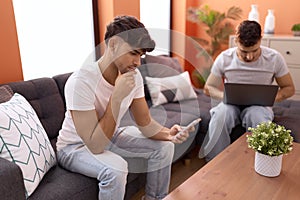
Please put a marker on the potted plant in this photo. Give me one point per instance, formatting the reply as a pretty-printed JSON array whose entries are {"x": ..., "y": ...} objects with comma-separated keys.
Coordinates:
[
  {"x": 296, "y": 29},
  {"x": 270, "y": 141}
]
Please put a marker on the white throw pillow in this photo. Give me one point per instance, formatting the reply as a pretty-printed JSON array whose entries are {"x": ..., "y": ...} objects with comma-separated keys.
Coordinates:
[
  {"x": 24, "y": 141},
  {"x": 170, "y": 89}
]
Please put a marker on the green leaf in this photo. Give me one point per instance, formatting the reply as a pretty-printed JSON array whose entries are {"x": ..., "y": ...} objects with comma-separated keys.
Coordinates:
[
  {"x": 234, "y": 13},
  {"x": 270, "y": 138}
]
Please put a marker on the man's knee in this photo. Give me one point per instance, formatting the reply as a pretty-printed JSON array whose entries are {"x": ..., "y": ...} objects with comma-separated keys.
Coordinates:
[
  {"x": 225, "y": 112},
  {"x": 122, "y": 165},
  {"x": 164, "y": 154},
  {"x": 167, "y": 149},
  {"x": 255, "y": 115},
  {"x": 112, "y": 175}
]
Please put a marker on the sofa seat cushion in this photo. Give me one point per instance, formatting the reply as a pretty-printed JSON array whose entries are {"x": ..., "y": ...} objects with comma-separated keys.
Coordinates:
[
  {"x": 11, "y": 174},
  {"x": 287, "y": 113},
  {"x": 60, "y": 183},
  {"x": 24, "y": 141},
  {"x": 63, "y": 184}
]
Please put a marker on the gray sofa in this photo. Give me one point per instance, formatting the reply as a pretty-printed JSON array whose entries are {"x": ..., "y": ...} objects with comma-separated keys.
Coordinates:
[{"x": 46, "y": 95}]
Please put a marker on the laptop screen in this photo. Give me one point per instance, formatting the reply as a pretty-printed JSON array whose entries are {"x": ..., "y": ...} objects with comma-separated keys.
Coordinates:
[{"x": 249, "y": 94}]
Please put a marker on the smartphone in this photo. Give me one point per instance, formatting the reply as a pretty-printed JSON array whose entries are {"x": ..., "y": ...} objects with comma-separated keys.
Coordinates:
[{"x": 190, "y": 125}]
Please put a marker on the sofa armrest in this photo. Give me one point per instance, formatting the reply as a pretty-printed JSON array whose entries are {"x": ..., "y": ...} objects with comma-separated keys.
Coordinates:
[{"x": 12, "y": 184}]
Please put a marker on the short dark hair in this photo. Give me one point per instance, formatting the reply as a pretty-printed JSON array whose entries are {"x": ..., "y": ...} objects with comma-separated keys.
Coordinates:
[
  {"x": 248, "y": 33},
  {"x": 131, "y": 31}
]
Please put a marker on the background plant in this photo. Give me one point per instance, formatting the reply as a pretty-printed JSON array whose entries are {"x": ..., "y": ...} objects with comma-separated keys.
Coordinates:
[
  {"x": 218, "y": 25},
  {"x": 218, "y": 28},
  {"x": 296, "y": 27},
  {"x": 270, "y": 139}
]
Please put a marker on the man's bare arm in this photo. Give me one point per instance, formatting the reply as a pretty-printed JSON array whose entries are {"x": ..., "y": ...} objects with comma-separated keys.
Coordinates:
[
  {"x": 146, "y": 124},
  {"x": 286, "y": 87},
  {"x": 152, "y": 129},
  {"x": 96, "y": 132},
  {"x": 212, "y": 87}
]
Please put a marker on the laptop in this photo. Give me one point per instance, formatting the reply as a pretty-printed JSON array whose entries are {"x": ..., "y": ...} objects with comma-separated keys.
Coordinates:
[{"x": 249, "y": 94}]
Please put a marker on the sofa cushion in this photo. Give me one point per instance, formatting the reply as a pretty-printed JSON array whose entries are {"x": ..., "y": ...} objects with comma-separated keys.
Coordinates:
[
  {"x": 286, "y": 113},
  {"x": 24, "y": 141},
  {"x": 158, "y": 66},
  {"x": 6, "y": 93},
  {"x": 11, "y": 174},
  {"x": 59, "y": 183},
  {"x": 44, "y": 97},
  {"x": 170, "y": 89}
]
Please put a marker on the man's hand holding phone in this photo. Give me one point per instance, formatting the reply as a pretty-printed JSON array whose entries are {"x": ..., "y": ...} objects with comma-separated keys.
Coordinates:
[{"x": 183, "y": 134}]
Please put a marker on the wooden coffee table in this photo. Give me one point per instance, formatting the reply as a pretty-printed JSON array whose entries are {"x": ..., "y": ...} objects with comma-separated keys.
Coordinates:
[{"x": 231, "y": 175}]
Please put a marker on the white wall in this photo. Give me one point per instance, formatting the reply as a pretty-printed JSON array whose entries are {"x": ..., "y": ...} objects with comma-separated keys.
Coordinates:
[
  {"x": 55, "y": 36},
  {"x": 155, "y": 15}
]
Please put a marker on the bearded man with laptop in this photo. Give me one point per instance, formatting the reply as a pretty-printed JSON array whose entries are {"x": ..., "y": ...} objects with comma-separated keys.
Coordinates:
[{"x": 247, "y": 63}]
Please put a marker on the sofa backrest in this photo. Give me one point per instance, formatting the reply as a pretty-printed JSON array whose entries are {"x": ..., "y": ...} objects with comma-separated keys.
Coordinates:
[
  {"x": 44, "y": 96},
  {"x": 61, "y": 80}
]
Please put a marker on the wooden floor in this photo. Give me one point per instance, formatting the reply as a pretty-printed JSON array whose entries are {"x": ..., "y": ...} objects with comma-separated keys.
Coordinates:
[{"x": 181, "y": 170}]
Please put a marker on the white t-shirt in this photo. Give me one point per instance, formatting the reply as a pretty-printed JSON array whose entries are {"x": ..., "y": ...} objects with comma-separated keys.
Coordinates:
[
  {"x": 262, "y": 71},
  {"x": 86, "y": 89}
]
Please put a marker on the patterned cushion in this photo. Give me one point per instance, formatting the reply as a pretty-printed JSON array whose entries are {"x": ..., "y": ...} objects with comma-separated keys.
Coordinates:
[
  {"x": 170, "y": 89},
  {"x": 24, "y": 141},
  {"x": 158, "y": 67},
  {"x": 6, "y": 93}
]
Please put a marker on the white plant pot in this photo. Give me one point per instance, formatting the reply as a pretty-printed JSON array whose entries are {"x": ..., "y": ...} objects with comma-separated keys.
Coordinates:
[{"x": 268, "y": 165}]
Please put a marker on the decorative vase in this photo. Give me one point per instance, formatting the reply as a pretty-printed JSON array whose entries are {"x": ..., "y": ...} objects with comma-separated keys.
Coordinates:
[
  {"x": 268, "y": 165},
  {"x": 253, "y": 14},
  {"x": 269, "y": 22}
]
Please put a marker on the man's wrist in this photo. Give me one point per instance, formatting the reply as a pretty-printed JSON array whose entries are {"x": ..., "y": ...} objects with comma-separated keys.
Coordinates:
[{"x": 151, "y": 129}]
